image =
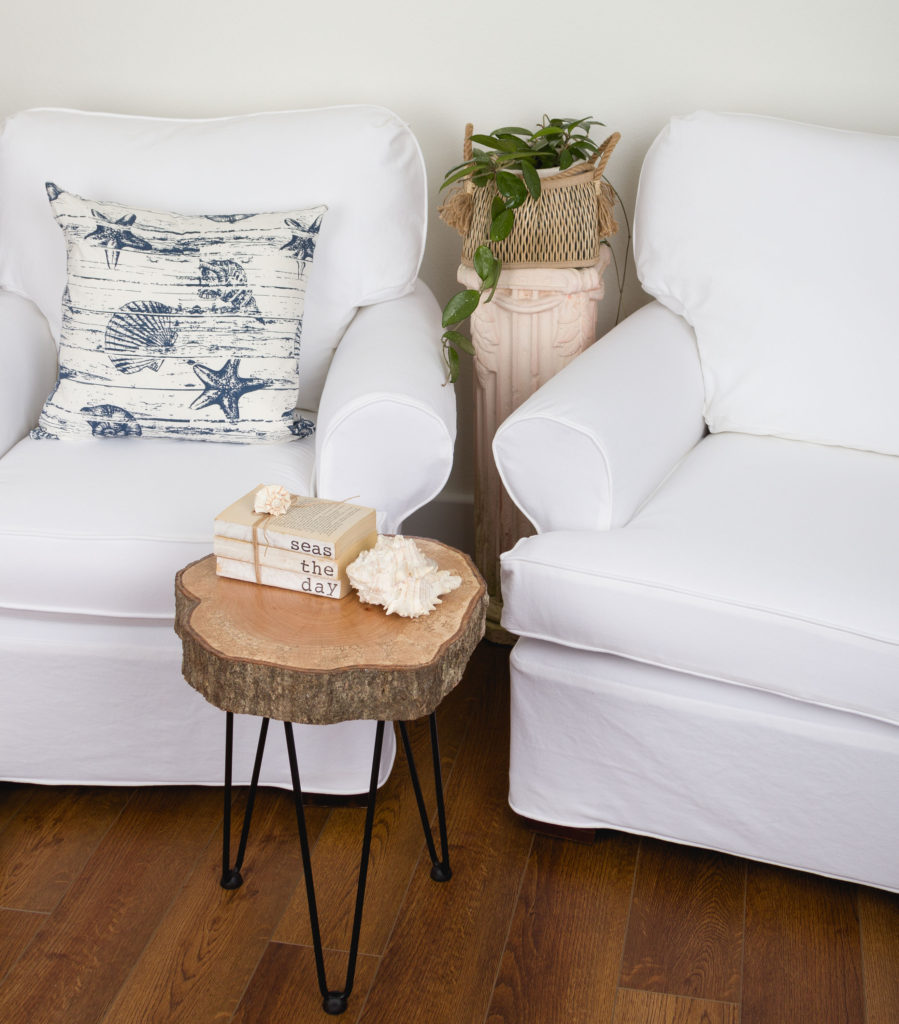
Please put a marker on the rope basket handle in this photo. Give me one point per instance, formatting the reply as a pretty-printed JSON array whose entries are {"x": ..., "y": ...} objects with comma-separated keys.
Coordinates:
[
  {"x": 466, "y": 144},
  {"x": 604, "y": 152}
]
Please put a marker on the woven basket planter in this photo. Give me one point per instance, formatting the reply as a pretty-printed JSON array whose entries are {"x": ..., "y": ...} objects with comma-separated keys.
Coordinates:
[{"x": 563, "y": 228}]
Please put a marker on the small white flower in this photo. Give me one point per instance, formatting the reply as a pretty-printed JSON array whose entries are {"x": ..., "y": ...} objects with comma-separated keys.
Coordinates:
[{"x": 273, "y": 499}]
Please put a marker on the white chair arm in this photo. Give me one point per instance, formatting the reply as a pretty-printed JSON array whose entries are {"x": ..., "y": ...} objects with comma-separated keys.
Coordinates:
[
  {"x": 387, "y": 420},
  {"x": 29, "y": 361},
  {"x": 587, "y": 449}
]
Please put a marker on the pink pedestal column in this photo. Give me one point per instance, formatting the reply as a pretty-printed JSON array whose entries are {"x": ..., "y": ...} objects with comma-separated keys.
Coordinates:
[{"x": 539, "y": 319}]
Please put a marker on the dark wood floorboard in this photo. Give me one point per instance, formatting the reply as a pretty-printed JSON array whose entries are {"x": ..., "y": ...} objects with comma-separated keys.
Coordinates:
[
  {"x": 685, "y": 934},
  {"x": 204, "y": 951},
  {"x": 54, "y": 834},
  {"x": 448, "y": 942},
  {"x": 12, "y": 798},
  {"x": 561, "y": 960},
  {"x": 284, "y": 989},
  {"x": 87, "y": 947},
  {"x": 115, "y": 914},
  {"x": 879, "y": 921},
  {"x": 802, "y": 950},
  {"x": 17, "y": 929},
  {"x": 636, "y": 1007}
]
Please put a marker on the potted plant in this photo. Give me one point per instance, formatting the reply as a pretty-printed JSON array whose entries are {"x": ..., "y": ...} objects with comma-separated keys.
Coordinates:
[{"x": 507, "y": 172}]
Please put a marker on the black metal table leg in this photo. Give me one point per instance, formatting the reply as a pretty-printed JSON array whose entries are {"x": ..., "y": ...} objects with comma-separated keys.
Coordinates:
[
  {"x": 335, "y": 1002},
  {"x": 440, "y": 866},
  {"x": 231, "y": 877}
]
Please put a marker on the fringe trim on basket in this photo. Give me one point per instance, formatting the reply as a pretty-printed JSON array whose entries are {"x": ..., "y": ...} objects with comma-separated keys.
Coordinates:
[
  {"x": 604, "y": 208},
  {"x": 456, "y": 211}
]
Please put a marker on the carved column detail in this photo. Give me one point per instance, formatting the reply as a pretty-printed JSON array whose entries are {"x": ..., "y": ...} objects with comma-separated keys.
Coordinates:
[{"x": 539, "y": 319}]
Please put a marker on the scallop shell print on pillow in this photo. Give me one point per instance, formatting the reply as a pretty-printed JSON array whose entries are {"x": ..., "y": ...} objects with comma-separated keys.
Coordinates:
[{"x": 180, "y": 326}]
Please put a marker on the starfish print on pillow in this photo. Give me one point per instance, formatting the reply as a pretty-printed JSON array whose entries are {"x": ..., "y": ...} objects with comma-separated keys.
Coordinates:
[
  {"x": 224, "y": 387},
  {"x": 116, "y": 235}
]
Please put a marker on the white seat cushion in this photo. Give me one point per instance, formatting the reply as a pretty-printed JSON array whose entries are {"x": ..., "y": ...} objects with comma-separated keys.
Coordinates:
[
  {"x": 761, "y": 562},
  {"x": 100, "y": 527}
]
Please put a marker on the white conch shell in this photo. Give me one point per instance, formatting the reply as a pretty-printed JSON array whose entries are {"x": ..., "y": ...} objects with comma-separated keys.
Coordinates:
[
  {"x": 272, "y": 499},
  {"x": 395, "y": 573}
]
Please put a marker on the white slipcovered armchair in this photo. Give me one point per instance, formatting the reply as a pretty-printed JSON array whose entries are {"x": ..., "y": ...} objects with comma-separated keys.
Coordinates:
[
  {"x": 92, "y": 531},
  {"x": 709, "y": 612}
]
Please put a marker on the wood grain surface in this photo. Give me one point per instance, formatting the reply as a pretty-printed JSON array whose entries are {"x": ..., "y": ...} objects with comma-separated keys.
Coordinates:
[
  {"x": 17, "y": 929},
  {"x": 264, "y": 651},
  {"x": 559, "y": 966},
  {"x": 137, "y": 930},
  {"x": 116, "y": 902},
  {"x": 203, "y": 953},
  {"x": 636, "y": 1007},
  {"x": 879, "y": 923},
  {"x": 12, "y": 799},
  {"x": 686, "y": 929},
  {"x": 36, "y": 867},
  {"x": 802, "y": 949},
  {"x": 447, "y": 944},
  {"x": 284, "y": 989}
]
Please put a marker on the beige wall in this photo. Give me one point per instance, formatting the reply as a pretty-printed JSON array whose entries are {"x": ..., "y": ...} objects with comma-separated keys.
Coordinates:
[{"x": 631, "y": 64}]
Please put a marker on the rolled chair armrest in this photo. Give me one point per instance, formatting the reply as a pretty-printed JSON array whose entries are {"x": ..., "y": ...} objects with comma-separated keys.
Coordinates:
[
  {"x": 590, "y": 446},
  {"x": 29, "y": 360},
  {"x": 387, "y": 419}
]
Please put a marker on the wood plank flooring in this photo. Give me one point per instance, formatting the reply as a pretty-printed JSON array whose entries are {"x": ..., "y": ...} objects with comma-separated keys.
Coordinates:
[{"x": 111, "y": 912}]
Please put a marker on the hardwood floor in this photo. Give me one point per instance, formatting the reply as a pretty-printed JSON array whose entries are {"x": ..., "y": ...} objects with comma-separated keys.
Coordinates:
[{"x": 111, "y": 912}]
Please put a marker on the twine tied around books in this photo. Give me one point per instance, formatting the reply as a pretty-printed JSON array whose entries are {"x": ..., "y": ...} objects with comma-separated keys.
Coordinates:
[
  {"x": 295, "y": 501},
  {"x": 264, "y": 517}
]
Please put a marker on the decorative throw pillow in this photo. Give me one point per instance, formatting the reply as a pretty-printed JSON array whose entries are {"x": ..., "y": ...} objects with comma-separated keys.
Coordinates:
[{"x": 180, "y": 326}]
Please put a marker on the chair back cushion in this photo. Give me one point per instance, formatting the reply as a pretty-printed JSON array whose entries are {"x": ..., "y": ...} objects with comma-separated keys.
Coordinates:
[
  {"x": 777, "y": 242},
  {"x": 361, "y": 162}
]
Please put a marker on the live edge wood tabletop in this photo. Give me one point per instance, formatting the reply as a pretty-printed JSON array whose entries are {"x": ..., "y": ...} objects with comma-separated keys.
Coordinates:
[{"x": 260, "y": 650}]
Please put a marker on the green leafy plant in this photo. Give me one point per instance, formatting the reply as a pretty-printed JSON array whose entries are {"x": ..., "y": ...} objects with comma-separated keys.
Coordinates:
[{"x": 509, "y": 158}]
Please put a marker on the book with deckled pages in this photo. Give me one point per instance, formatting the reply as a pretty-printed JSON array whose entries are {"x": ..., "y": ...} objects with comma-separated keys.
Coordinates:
[
  {"x": 286, "y": 579},
  {"x": 307, "y": 548}
]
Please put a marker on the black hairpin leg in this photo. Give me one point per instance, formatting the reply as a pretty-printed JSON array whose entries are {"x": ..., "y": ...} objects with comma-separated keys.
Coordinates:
[
  {"x": 440, "y": 867},
  {"x": 335, "y": 1002},
  {"x": 231, "y": 877}
]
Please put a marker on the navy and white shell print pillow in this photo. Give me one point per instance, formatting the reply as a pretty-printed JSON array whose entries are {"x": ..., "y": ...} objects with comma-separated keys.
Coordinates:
[{"x": 180, "y": 326}]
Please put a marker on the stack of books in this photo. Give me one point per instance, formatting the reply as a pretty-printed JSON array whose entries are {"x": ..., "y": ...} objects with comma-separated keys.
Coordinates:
[{"x": 307, "y": 549}]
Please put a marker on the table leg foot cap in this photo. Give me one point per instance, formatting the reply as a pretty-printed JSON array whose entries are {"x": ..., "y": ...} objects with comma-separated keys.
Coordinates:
[
  {"x": 441, "y": 872},
  {"x": 334, "y": 1003},
  {"x": 231, "y": 880}
]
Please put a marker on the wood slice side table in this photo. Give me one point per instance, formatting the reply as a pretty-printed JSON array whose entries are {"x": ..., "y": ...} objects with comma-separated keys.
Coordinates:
[
  {"x": 539, "y": 319},
  {"x": 251, "y": 649}
]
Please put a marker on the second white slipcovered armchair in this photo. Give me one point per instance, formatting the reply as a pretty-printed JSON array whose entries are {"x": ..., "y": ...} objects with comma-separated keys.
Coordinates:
[
  {"x": 93, "y": 530},
  {"x": 709, "y": 612}
]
